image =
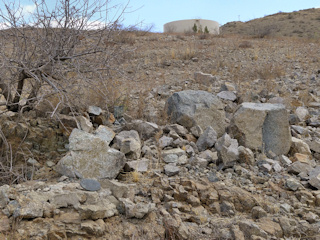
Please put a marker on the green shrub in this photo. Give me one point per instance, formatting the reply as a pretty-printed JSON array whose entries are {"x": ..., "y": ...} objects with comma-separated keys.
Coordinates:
[{"x": 195, "y": 28}]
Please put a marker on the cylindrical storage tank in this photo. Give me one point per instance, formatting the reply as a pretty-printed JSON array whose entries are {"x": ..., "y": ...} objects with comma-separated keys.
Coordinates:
[{"x": 187, "y": 26}]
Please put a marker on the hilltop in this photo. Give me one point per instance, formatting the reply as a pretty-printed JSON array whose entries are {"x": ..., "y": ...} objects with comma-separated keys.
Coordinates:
[{"x": 302, "y": 24}]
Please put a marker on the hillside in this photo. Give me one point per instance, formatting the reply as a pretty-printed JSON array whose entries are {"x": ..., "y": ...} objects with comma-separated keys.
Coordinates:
[
  {"x": 304, "y": 23},
  {"x": 245, "y": 164}
]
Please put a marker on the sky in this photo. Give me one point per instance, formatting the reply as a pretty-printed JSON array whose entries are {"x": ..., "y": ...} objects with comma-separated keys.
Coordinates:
[{"x": 143, "y": 13}]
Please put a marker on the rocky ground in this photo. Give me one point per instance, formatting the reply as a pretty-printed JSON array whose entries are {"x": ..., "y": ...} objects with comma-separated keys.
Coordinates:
[{"x": 220, "y": 140}]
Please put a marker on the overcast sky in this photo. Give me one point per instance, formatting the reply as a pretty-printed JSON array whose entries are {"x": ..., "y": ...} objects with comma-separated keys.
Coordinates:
[{"x": 159, "y": 12}]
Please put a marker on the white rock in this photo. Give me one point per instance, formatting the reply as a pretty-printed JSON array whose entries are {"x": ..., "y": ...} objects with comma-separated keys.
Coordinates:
[
  {"x": 85, "y": 124},
  {"x": 302, "y": 113}
]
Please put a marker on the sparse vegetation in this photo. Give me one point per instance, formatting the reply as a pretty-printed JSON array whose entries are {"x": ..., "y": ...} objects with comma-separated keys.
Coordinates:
[{"x": 277, "y": 25}]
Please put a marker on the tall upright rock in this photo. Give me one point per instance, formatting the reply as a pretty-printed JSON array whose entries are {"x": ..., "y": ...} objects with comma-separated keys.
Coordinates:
[{"x": 262, "y": 126}]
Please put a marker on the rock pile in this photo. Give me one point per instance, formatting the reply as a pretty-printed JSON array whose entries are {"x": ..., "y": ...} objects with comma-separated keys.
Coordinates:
[{"x": 199, "y": 177}]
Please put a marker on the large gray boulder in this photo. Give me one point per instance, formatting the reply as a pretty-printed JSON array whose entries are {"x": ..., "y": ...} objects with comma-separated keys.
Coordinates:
[
  {"x": 190, "y": 108},
  {"x": 90, "y": 157},
  {"x": 262, "y": 126}
]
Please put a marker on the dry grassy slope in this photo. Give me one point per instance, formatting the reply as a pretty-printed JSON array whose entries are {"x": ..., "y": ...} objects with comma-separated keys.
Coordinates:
[{"x": 304, "y": 23}]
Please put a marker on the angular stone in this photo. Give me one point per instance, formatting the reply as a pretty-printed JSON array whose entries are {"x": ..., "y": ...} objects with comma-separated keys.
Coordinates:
[
  {"x": 271, "y": 227},
  {"x": 94, "y": 110},
  {"x": 227, "y": 95},
  {"x": 285, "y": 160},
  {"x": 258, "y": 212},
  {"x": 190, "y": 108},
  {"x": 311, "y": 217},
  {"x": 298, "y": 167},
  {"x": 118, "y": 189},
  {"x": 85, "y": 124},
  {"x": 68, "y": 217},
  {"x": 293, "y": 184},
  {"x": 138, "y": 165},
  {"x": 90, "y": 157},
  {"x": 227, "y": 86},
  {"x": 314, "y": 145},
  {"x": 315, "y": 181},
  {"x": 246, "y": 155},
  {"x": 303, "y": 158},
  {"x": 236, "y": 233},
  {"x": 262, "y": 126},
  {"x": 201, "y": 162},
  {"x": 227, "y": 150},
  {"x": 94, "y": 228},
  {"x": 287, "y": 225},
  {"x": 207, "y": 139},
  {"x": 135, "y": 210},
  {"x": 65, "y": 200},
  {"x": 176, "y": 151},
  {"x": 165, "y": 141},
  {"x": 30, "y": 210},
  {"x": 314, "y": 172},
  {"x": 105, "y": 133},
  {"x": 4, "y": 199},
  {"x": 146, "y": 130},
  {"x": 171, "y": 158},
  {"x": 300, "y": 130},
  {"x": 212, "y": 177},
  {"x": 102, "y": 210},
  {"x": 209, "y": 156},
  {"x": 179, "y": 129},
  {"x": 250, "y": 228},
  {"x": 129, "y": 143},
  {"x": 4, "y": 223},
  {"x": 196, "y": 131},
  {"x": 302, "y": 113},
  {"x": 171, "y": 170},
  {"x": 276, "y": 167},
  {"x": 182, "y": 160},
  {"x": 266, "y": 167},
  {"x": 299, "y": 146},
  {"x": 90, "y": 184},
  {"x": 286, "y": 207}
]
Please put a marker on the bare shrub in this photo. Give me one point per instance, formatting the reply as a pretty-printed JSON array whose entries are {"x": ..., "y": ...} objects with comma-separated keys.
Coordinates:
[
  {"x": 65, "y": 56},
  {"x": 64, "y": 51},
  {"x": 187, "y": 53}
]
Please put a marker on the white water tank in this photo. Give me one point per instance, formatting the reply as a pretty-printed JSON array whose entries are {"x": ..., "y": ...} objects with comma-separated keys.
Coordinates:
[{"x": 187, "y": 26}]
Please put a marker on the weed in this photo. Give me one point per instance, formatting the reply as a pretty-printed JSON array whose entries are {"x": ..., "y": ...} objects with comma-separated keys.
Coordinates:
[
  {"x": 188, "y": 54},
  {"x": 136, "y": 176},
  {"x": 173, "y": 54}
]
